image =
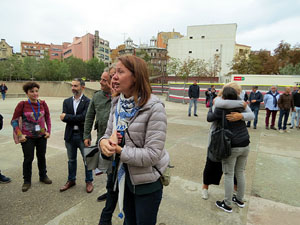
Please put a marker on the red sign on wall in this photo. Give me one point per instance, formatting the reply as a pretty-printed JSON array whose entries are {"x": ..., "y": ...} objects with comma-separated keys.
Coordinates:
[{"x": 238, "y": 78}]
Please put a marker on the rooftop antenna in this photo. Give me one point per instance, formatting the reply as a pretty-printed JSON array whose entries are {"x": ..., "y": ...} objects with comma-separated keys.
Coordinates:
[{"x": 124, "y": 36}]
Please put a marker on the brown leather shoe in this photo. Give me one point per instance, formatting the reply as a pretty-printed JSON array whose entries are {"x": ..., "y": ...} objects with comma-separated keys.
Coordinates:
[
  {"x": 89, "y": 187},
  {"x": 69, "y": 184}
]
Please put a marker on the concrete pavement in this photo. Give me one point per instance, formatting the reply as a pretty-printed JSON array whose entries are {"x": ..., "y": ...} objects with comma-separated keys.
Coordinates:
[{"x": 272, "y": 174}]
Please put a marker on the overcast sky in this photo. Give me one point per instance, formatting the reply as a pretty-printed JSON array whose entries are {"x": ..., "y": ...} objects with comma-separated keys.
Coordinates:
[{"x": 262, "y": 24}]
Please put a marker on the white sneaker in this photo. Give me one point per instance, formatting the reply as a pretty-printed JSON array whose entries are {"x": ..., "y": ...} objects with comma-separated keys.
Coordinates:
[
  {"x": 281, "y": 131},
  {"x": 205, "y": 194}
]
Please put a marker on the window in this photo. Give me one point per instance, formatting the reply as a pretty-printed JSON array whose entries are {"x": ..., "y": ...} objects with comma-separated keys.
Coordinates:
[
  {"x": 106, "y": 51},
  {"x": 56, "y": 49},
  {"x": 101, "y": 49},
  {"x": 203, "y": 37},
  {"x": 191, "y": 37},
  {"x": 54, "y": 54},
  {"x": 67, "y": 52},
  {"x": 190, "y": 52},
  {"x": 106, "y": 57},
  {"x": 217, "y": 50}
]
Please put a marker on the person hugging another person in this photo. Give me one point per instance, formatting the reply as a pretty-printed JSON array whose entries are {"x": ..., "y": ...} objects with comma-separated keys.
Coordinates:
[{"x": 234, "y": 165}]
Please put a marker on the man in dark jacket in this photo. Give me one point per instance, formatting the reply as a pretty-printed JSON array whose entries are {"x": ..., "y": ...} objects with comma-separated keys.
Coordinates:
[
  {"x": 3, "y": 90},
  {"x": 255, "y": 99},
  {"x": 74, "y": 111},
  {"x": 194, "y": 92},
  {"x": 285, "y": 104}
]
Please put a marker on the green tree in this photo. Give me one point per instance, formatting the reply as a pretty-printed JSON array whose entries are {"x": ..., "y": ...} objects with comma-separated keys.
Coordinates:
[
  {"x": 46, "y": 69},
  {"x": 187, "y": 68},
  {"x": 30, "y": 67},
  {"x": 13, "y": 68},
  {"x": 77, "y": 67},
  {"x": 95, "y": 68},
  {"x": 290, "y": 69}
]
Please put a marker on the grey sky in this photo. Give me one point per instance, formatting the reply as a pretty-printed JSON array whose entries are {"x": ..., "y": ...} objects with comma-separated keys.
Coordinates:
[{"x": 262, "y": 24}]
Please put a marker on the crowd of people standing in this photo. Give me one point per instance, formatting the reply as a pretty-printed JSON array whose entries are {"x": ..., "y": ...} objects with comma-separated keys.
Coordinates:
[{"x": 130, "y": 142}]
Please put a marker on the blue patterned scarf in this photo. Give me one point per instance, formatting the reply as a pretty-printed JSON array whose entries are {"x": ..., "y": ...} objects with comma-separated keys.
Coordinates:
[{"x": 125, "y": 111}]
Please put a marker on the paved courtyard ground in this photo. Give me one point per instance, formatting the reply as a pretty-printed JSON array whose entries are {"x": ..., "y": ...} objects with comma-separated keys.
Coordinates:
[{"x": 272, "y": 174}]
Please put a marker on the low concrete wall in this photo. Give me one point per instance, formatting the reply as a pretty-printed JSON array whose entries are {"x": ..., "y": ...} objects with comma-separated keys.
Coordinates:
[{"x": 47, "y": 89}]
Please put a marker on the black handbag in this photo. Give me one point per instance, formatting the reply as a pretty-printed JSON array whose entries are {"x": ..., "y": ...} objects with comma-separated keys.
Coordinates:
[{"x": 220, "y": 142}]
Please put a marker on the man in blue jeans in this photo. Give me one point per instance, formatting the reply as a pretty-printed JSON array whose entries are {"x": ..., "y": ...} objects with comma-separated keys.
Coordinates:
[
  {"x": 285, "y": 104},
  {"x": 255, "y": 99},
  {"x": 74, "y": 111},
  {"x": 194, "y": 92}
]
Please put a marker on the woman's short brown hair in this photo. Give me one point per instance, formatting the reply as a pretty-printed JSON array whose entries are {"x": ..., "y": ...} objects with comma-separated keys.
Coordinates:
[
  {"x": 138, "y": 68},
  {"x": 29, "y": 85}
]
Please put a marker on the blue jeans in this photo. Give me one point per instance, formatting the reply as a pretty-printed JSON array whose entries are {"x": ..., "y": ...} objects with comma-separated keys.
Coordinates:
[
  {"x": 255, "y": 111},
  {"x": 76, "y": 142},
  {"x": 3, "y": 96},
  {"x": 141, "y": 209},
  {"x": 284, "y": 113},
  {"x": 294, "y": 116},
  {"x": 193, "y": 101}
]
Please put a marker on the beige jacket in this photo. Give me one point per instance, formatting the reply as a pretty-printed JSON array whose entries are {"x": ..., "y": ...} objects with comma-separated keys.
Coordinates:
[{"x": 147, "y": 129}]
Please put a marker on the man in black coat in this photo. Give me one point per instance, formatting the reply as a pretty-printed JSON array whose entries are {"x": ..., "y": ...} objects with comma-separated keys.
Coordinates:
[
  {"x": 194, "y": 92},
  {"x": 255, "y": 99},
  {"x": 74, "y": 111}
]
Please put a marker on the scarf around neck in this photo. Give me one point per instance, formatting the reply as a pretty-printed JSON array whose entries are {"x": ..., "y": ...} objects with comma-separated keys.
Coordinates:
[
  {"x": 125, "y": 111},
  {"x": 274, "y": 97}
]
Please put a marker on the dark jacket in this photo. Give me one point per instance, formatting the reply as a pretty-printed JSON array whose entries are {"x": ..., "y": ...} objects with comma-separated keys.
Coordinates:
[
  {"x": 194, "y": 91},
  {"x": 296, "y": 97},
  {"x": 240, "y": 135},
  {"x": 71, "y": 119},
  {"x": 3, "y": 88},
  {"x": 286, "y": 101},
  {"x": 255, "y": 96}
]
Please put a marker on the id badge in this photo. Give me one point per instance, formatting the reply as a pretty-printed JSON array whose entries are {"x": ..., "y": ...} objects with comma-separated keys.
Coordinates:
[{"x": 37, "y": 128}]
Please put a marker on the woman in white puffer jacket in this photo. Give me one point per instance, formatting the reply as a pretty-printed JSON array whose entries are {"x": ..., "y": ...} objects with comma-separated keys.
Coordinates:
[{"x": 134, "y": 140}]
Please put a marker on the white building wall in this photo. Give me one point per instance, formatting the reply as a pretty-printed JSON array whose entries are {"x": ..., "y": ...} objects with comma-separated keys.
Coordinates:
[
  {"x": 204, "y": 41},
  {"x": 254, "y": 79}
]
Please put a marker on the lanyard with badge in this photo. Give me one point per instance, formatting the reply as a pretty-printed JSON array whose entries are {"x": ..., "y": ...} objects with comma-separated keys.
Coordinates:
[{"x": 36, "y": 115}]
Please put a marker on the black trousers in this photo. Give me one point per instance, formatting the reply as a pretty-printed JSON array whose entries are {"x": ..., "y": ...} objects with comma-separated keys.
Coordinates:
[
  {"x": 141, "y": 209},
  {"x": 28, "y": 151},
  {"x": 213, "y": 172},
  {"x": 111, "y": 201}
]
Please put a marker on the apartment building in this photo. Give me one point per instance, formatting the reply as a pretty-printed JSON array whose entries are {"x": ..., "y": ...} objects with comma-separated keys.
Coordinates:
[
  {"x": 163, "y": 38},
  {"x": 207, "y": 42},
  {"x": 36, "y": 49},
  {"x": 242, "y": 50},
  {"x": 5, "y": 50},
  {"x": 81, "y": 47},
  {"x": 56, "y": 52},
  {"x": 102, "y": 50},
  {"x": 158, "y": 56}
]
